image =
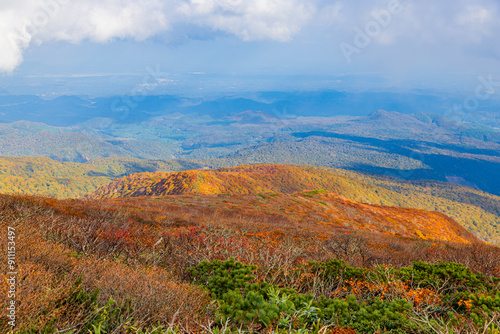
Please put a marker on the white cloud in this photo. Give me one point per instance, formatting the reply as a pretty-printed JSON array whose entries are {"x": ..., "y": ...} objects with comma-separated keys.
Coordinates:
[
  {"x": 104, "y": 21},
  {"x": 476, "y": 23},
  {"x": 251, "y": 20},
  {"x": 462, "y": 24},
  {"x": 24, "y": 22},
  {"x": 475, "y": 15}
]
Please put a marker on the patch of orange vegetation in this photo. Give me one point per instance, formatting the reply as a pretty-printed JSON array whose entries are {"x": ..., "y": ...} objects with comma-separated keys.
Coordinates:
[{"x": 317, "y": 210}]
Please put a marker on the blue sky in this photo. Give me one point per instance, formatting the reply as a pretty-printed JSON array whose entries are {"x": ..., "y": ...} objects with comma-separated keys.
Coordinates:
[{"x": 424, "y": 43}]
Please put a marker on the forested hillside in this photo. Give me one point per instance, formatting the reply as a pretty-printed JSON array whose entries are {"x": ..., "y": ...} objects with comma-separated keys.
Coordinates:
[
  {"x": 47, "y": 177},
  {"x": 415, "y": 146}
]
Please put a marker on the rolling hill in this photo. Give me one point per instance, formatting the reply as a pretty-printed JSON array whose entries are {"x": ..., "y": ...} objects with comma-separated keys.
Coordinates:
[
  {"x": 476, "y": 210},
  {"x": 320, "y": 212},
  {"x": 480, "y": 214}
]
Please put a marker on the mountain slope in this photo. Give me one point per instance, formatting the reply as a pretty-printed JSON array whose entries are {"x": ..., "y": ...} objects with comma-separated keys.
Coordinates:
[
  {"x": 243, "y": 180},
  {"x": 319, "y": 212},
  {"x": 248, "y": 179},
  {"x": 115, "y": 257},
  {"x": 476, "y": 210},
  {"x": 47, "y": 177}
]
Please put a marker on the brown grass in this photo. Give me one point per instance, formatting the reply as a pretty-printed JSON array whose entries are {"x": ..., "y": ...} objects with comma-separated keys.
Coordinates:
[{"x": 137, "y": 251}]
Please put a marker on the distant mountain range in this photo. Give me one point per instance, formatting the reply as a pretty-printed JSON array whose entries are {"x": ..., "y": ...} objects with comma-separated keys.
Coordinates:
[
  {"x": 73, "y": 110},
  {"x": 269, "y": 128}
]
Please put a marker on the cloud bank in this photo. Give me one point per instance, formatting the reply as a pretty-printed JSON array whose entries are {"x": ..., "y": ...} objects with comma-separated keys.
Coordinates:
[
  {"x": 466, "y": 26},
  {"x": 29, "y": 22}
]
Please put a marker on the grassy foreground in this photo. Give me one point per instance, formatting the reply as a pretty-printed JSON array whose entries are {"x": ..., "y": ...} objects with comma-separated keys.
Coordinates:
[{"x": 93, "y": 267}]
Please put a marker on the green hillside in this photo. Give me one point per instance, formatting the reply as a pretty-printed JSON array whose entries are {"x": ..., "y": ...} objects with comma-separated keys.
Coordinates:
[
  {"x": 411, "y": 147},
  {"x": 47, "y": 177}
]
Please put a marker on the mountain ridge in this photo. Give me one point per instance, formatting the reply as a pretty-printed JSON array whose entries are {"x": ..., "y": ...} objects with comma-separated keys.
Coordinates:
[
  {"x": 474, "y": 209},
  {"x": 272, "y": 181},
  {"x": 321, "y": 211}
]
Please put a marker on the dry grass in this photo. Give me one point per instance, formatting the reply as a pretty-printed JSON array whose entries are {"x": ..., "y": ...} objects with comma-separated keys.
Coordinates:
[{"x": 137, "y": 252}]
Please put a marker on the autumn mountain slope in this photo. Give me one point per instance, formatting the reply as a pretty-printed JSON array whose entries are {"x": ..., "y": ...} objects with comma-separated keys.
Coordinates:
[
  {"x": 474, "y": 209},
  {"x": 281, "y": 181},
  {"x": 319, "y": 213},
  {"x": 46, "y": 177},
  {"x": 477, "y": 211},
  {"x": 85, "y": 262},
  {"x": 248, "y": 179}
]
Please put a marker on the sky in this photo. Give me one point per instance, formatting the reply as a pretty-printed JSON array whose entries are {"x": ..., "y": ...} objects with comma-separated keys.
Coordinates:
[{"x": 45, "y": 44}]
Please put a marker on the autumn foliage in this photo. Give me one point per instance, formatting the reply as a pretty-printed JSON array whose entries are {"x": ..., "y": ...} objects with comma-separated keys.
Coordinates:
[
  {"x": 125, "y": 265},
  {"x": 477, "y": 212}
]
